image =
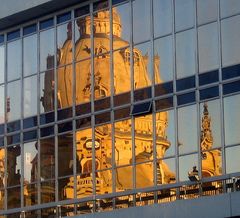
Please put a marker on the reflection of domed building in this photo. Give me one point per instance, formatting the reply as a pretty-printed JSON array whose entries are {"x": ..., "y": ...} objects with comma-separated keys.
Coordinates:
[{"x": 123, "y": 134}]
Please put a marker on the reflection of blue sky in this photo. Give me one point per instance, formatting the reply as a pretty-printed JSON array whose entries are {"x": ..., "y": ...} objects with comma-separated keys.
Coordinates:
[
  {"x": 2, "y": 104},
  {"x": 232, "y": 159},
  {"x": 2, "y": 60},
  {"x": 162, "y": 10},
  {"x": 229, "y": 7},
  {"x": 14, "y": 60},
  {"x": 46, "y": 47},
  {"x": 186, "y": 164},
  {"x": 30, "y": 55},
  {"x": 124, "y": 13},
  {"x": 232, "y": 119},
  {"x": 61, "y": 35},
  {"x": 187, "y": 129},
  {"x": 230, "y": 41},
  {"x": 141, "y": 20},
  {"x": 163, "y": 48},
  {"x": 185, "y": 53}
]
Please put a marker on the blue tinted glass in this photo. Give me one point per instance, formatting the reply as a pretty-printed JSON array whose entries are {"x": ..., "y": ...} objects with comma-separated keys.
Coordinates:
[
  {"x": 1, "y": 38},
  {"x": 102, "y": 104},
  {"x": 186, "y": 98},
  {"x": 46, "y": 118},
  {"x": 13, "y": 139},
  {"x": 231, "y": 72},
  {"x": 207, "y": 78},
  {"x": 141, "y": 108},
  {"x": 47, "y": 131},
  {"x": 81, "y": 11},
  {"x": 142, "y": 94},
  {"x": 83, "y": 122},
  {"x": 13, "y": 35},
  {"x": 122, "y": 99},
  {"x": 63, "y": 17},
  {"x": 186, "y": 83},
  {"x": 14, "y": 126},
  {"x": 164, "y": 103},
  {"x": 83, "y": 109},
  {"x": 64, "y": 127},
  {"x": 114, "y": 2},
  {"x": 231, "y": 87},
  {"x": 102, "y": 118},
  {"x": 29, "y": 29},
  {"x": 122, "y": 113},
  {"x": 29, "y": 135},
  {"x": 164, "y": 88},
  {"x": 100, "y": 5},
  {"x": 30, "y": 122},
  {"x": 1, "y": 129},
  {"x": 65, "y": 113},
  {"x": 209, "y": 93},
  {"x": 1, "y": 141},
  {"x": 46, "y": 23}
]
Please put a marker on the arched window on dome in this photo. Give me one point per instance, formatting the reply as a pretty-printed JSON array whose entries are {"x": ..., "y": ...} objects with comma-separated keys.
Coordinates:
[
  {"x": 101, "y": 51},
  {"x": 136, "y": 57},
  {"x": 127, "y": 56}
]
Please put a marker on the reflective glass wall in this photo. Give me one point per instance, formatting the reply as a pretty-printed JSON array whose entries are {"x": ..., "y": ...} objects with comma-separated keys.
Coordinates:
[{"x": 143, "y": 90}]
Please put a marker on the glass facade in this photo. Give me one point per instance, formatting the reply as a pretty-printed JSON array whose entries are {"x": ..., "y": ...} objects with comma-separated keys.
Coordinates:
[{"x": 104, "y": 102}]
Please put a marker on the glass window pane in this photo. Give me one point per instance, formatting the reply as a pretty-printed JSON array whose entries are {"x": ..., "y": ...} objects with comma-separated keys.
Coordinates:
[
  {"x": 64, "y": 94},
  {"x": 211, "y": 163},
  {"x": 47, "y": 159},
  {"x": 232, "y": 119},
  {"x": 141, "y": 20},
  {"x": 122, "y": 183},
  {"x": 207, "y": 11},
  {"x": 162, "y": 15},
  {"x": 142, "y": 73},
  {"x": 47, "y": 84},
  {"x": 186, "y": 164},
  {"x": 166, "y": 171},
  {"x": 64, "y": 43},
  {"x": 14, "y": 170},
  {"x": 84, "y": 162},
  {"x": 210, "y": 125},
  {"x": 184, "y": 14},
  {"x": 230, "y": 41},
  {"x": 30, "y": 162},
  {"x": 82, "y": 38},
  {"x": 47, "y": 194},
  {"x": 46, "y": 49},
  {"x": 14, "y": 198},
  {"x": 208, "y": 47},
  {"x": 31, "y": 198},
  {"x": 163, "y": 60},
  {"x": 14, "y": 100},
  {"x": 14, "y": 61},
  {"x": 123, "y": 142},
  {"x": 143, "y": 138},
  {"x": 144, "y": 175},
  {"x": 102, "y": 78},
  {"x": 2, "y": 63},
  {"x": 165, "y": 134},
  {"x": 65, "y": 189},
  {"x": 83, "y": 81},
  {"x": 229, "y": 7},
  {"x": 65, "y": 155},
  {"x": 2, "y": 105},
  {"x": 187, "y": 129},
  {"x": 30, "y": 55},
  {"x": 121, "y": 26},
  {"x": 185, "y": 54},
  {"x": 30, "y": 96},
  {"x": 232, "y": 159},
  {"x": 121, "y": 69},
  {"x": 2, "y": 168}
]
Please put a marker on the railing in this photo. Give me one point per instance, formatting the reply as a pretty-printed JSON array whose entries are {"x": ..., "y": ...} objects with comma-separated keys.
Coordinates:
[{"x": 132, "y": 198}]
